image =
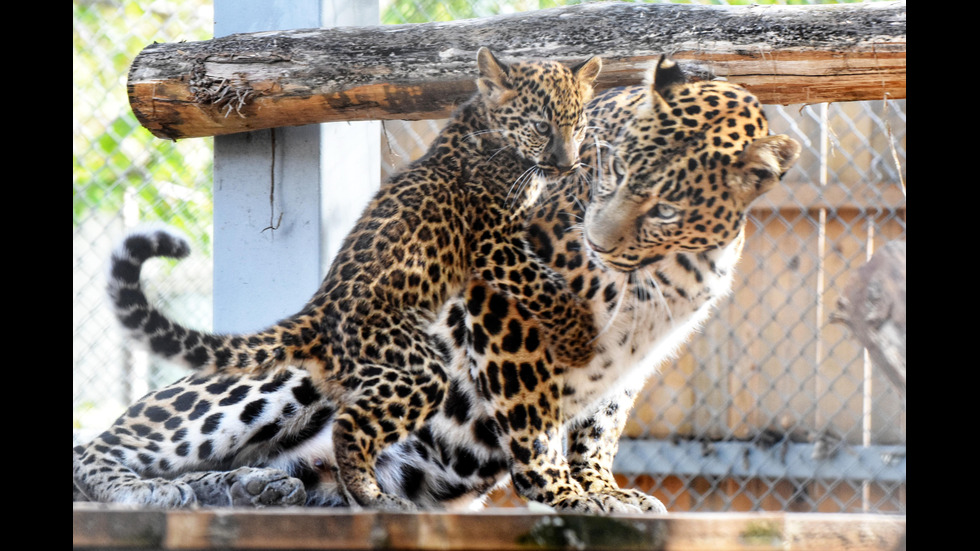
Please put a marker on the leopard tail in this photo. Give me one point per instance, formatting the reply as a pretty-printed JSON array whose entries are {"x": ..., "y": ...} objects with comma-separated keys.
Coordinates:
[{"x": 283, "y": 342}]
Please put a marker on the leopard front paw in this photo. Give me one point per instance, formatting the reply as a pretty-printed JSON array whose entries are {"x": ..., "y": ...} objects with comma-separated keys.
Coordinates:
[
  {"x": 369, "y": 496},
  {"x": 251, "y": 487},
  {"x": 154, "y": 492},
  {"x": 387, "y": 502},
  {"x": 636, "y": 498}
]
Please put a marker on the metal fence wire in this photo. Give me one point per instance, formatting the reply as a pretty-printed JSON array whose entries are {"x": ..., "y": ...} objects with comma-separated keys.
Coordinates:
[{"x": 769, "y": 407}]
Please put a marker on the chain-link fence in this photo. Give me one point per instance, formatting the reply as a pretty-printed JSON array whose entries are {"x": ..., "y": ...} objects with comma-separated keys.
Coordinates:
[
  {"x": 770, "y": 407},
  {"x": 121, "y": 175}
]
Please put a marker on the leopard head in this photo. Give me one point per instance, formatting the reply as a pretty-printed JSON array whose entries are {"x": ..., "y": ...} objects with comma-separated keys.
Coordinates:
[
  {"x": 682, "y": 172},
  {"x": 538, "y": 107}
]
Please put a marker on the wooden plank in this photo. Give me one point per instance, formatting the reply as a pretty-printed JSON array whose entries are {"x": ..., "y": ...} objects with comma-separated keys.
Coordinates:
[
  {"x": 105, "y": 527},
  {"x": 785, "y": 54}
]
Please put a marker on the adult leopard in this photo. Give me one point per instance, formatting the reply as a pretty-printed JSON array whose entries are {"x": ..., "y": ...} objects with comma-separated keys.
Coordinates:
[
  {"x": 678, "y": 164},
  {"x": 651, "y": 241},
  {"x": 363, "y": 338}
]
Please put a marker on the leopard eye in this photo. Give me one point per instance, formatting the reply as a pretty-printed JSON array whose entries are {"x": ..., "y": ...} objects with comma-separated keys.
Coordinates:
[
  {"x": 619, "y": 167},
  {"x": 542, "y": 127},
  {"x": 661, "y": 210}
]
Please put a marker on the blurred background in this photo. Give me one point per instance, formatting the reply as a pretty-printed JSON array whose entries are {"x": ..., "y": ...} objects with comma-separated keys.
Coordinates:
[{"x": 771, "y": 407}]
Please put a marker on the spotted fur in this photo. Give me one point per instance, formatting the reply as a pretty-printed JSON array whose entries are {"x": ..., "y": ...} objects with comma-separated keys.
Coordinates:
[
  {"x": 662, "y": 227},
  {"x": 363, "y": 339},
  {"x": 649, "y": 274}
]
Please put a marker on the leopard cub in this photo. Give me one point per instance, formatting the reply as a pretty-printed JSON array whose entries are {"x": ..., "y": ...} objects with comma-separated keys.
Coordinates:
[{"x": 362, "y": 346}]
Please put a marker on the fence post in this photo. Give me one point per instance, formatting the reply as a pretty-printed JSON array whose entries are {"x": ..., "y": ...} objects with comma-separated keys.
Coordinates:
[{"x": 274, "y": 190}]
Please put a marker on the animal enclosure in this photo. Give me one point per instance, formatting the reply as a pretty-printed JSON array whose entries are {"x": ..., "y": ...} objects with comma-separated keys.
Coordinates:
[{"x": 770, "y": 408}]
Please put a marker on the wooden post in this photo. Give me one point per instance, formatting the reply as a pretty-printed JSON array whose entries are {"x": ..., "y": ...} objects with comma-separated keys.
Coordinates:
[{"x": 275, "y": 190}]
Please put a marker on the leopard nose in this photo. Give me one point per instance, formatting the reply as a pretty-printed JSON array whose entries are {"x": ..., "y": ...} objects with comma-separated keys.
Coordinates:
[
  {"x": 563, "y": 157},
  {"x": 563, "y": 164}
]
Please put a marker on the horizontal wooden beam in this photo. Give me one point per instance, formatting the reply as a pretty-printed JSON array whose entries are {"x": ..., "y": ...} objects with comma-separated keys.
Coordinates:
[
  {"x": 785, "y": 54},
  {"x": 109, "y": 527}
]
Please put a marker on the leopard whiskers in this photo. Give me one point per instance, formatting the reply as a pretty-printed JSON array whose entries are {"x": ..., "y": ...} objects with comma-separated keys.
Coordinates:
[
  {"x": 495, "y": 153},
  {"x": 595, "y": 176},
  {"x": 597, "y": 169},
  {"x": 517, "y": 189},
  {"x": 481, "y": 132},
  {"x": 652, "y": 278},
  {"x": 624, "y": 290},
  {"x": 579, "y": 229}
]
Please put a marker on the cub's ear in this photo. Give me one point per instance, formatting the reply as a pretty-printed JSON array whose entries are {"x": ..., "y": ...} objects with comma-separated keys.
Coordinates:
[
  {"x": 494, "y": 82},
  {"x": 762, "y": 164},
  {"x": 588, "y": 70}
]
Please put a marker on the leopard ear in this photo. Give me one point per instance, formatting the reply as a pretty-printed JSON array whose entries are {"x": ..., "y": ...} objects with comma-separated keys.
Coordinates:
[
  {"x": 588, "y": 70},
  {"x": 494, "y": 82},
  {"x": 762, "y": 164},
  {"x": 667, "y": 73}
]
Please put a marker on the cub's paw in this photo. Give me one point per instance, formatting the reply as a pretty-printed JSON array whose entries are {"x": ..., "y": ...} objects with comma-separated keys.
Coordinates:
[{"x": 573, "y": 345}]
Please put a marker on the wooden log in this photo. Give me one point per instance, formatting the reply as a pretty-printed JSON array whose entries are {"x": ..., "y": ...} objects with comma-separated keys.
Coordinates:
[
  {"x": 873, "y": 307},
  {"x": 785, "y": 54}
]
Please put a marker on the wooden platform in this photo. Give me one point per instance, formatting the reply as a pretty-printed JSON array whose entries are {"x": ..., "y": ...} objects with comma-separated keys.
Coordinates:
[{"x": 104, "y": 527}]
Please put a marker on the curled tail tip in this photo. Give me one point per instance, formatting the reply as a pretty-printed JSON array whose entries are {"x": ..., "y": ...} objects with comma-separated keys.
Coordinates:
[
  {"x": 147, "y": 241},
  {"x": 139, "y": 245},
  {"x": 135, "y": 312}
]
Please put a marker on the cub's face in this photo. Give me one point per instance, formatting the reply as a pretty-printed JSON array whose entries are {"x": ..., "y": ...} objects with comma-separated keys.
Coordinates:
[{"x": 538, "y": 107}]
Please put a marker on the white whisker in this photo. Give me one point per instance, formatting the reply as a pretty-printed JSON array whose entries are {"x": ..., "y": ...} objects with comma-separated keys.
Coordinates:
[
  {"x": 652, "y": 278},
  {"x": 517, "y": 189},
  {"x": 638, "y": 307},
  {"x": 622, "y": 290},
  {"x": 480, "y": 132},
  {"x": 496, "y": 152}
]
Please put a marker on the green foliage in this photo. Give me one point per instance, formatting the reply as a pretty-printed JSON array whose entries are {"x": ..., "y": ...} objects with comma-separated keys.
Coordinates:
[{"x": 116, "y": 163}]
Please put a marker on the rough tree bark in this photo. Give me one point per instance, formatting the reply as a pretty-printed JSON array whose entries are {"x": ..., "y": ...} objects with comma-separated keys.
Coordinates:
[
  {"x": 873, "y": 307},
  {"x": 785, "y": 54}
]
